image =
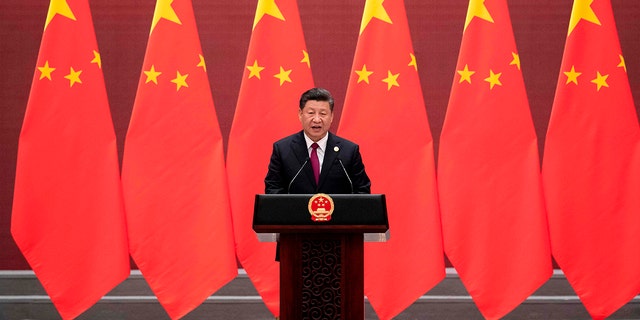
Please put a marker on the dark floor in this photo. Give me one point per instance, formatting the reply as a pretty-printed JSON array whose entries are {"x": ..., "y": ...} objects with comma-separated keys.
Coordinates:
[{"x": 22, "y": 297}]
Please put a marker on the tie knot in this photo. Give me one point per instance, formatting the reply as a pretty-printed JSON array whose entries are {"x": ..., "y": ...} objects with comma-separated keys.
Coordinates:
[{"x": 314, "y": 146}]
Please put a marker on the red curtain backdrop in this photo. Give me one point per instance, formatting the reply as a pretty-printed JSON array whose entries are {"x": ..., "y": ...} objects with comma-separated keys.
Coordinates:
[{"x": 173, "y": 171}]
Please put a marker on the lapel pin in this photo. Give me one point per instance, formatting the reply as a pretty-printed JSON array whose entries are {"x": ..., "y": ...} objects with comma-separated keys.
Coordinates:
[{"x": 336, "y": 149}]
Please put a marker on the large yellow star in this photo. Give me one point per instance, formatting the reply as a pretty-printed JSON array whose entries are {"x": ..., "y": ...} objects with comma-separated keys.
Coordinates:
[
  {"x": 493, "y": 79},
  {"x": 305, "y": 58},
  {"x": 268, "y": 7},
  {"x": 45, "y": 71},
  {"x": 363, "y": 75},
  {"x": 283, "y": 75},
  {"x": 582, "y": 11},
  {"x": 572, "y": 75},
  {"x": 152, "y": 75},
  {"x": 96, "y": 59},
  {"x": 201, "y": 63},
  {"x": 254, "y": 70},
  {"x": 465, "y": 74},
  {"x": 180, "y": 80},
  {"x": 164, "y": 11},
  {"x": 60, "y": 7},
  {"x": 477, "y": 9},
  {"x": 413, "y": 63},
  {"x": 374, "y": 9},
  {"x": 73, "y": 77},
  {"x": 516, "y": 60},
  {"x": 622, "y": 64},
  {"x": 601, "y": 80},
  {"x": 391, "y": 80}
]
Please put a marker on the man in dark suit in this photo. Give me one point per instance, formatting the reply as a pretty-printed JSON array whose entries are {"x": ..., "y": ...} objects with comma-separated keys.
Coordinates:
[{"x": 339, "y": 164}]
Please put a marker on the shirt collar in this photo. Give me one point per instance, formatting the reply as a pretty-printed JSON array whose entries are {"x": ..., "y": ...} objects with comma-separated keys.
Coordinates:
[{"x": 322, "y": 143}]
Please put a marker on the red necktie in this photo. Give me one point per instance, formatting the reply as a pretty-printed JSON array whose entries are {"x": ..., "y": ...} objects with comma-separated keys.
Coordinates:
[{"x": 315, "y": 163}]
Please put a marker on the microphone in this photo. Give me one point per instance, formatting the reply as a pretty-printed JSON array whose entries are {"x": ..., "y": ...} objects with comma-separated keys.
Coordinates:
[
  {"x": 346, "y": 174},
  {"x": 296, "y": 175}
]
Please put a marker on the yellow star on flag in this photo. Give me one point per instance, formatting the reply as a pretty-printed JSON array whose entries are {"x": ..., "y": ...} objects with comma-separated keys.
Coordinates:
[
  {"x": 391, "y": 80},
  {"x": 201, "y": 63},
  {"x": 45, "y": 71},
  {"x": 254, "y": 70},
  {"x": 572, "y": 75},
  {"x": 477, "y": 9},
  {"x": 60, "y": 7},
  {"x": 601, "y": 80},
  {"x": 164, "y": 11},
  {"x": 283, "y": 75},
  {"x": 267, "y": 7},
  {"x": 413, "y": 63},
  {"x": 493, "y": 79},
  {"x": 73, "y": 77},
  {"x": 516, "y": 60},
  {"x": 465, "y": 74},
  {"x": 152, "y": 75},
  {"x": 305, "y": 58},
  {"x": 180, "y": 80},
  {"x": 363, "y": 75},
  {"x": 374, "y": 9},
  {"x": 582, "y": 11},
  {"x": 96, "y": 59},
  {"x": 622, "y": 64}
]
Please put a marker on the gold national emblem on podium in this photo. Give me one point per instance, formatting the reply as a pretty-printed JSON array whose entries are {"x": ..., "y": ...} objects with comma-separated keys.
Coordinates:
[{"x": 321, "y": 207}]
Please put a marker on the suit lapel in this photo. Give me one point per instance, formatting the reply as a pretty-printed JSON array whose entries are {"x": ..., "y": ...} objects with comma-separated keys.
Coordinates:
[
  {"x": 299, "y": 147},
  {"x": 330, "y": 155}
]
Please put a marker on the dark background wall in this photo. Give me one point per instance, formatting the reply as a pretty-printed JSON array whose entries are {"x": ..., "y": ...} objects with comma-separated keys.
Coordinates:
[{"x": 331, "y": 31}]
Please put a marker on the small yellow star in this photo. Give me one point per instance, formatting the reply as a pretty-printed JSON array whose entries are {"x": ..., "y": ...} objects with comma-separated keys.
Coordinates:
[
  {"x": 180, "y": 80},
  {"x": 164, "y": 11},
  {"x": 254, "y": 70},
  {"x": 374, "y": 9},
  {"x": 572, "y": 75},
  {"x": 477, "y": 9},
  {"x": 465, "y": 74},
  {"x": 60, "y": 7},
  {"x": 45, "y": 71},
  {"x": 493, "y": 79},
  {"x": 622, "y": 64},
  {"x": 152, "y": 75},
  {"x": 363, "y": 75},
  {"x": 96, "y": 59},
  {"x": 201, "y": 63},
  {"x": 283, "y": 75},
  {"x": 267, "y": 7},
  {"x": 413, "y": 61},
  {"x": 305, "y": 58},
  {"x": 73, "y": 77},
  {"x": 601, "y": 80},
  {"x": 391, "y": 80},
  {"x": 516, "y": 60}
]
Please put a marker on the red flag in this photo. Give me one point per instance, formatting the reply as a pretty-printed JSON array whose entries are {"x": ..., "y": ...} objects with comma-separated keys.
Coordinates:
[
  {"x": 493, "y": 219},
  {"x": 277, "y": 72},
  {"x": 384, "y": 113},
  {"x": 591, "y": 167},
  {"x": 174, "y": 180},
  {"x": 68, "y": 218}
]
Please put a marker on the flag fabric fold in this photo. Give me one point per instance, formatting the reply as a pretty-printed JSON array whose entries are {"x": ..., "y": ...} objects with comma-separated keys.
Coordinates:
[
  {"x": 174, "y": 180},
  {"x": 68, "y": 215},
  {"x": 492, "y": 206},
  {"x": 277, "y": 72},
  {"x": 591, "y": 166},
  {"x": 384, "y": 112}
]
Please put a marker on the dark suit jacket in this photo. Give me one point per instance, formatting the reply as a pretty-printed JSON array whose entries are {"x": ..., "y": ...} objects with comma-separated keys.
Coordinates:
[{"x": 290, "y": 154}]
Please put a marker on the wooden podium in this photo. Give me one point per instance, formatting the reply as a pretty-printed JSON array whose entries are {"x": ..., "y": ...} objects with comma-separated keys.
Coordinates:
[{"x": 321, "y": 262}]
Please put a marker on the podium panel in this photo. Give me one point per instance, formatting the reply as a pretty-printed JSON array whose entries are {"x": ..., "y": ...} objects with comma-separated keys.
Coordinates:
[{"x": 321, "y": 262}]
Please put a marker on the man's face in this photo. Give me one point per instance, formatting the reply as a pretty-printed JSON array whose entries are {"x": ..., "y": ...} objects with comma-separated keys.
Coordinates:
[{"x": 316, "y": 118}]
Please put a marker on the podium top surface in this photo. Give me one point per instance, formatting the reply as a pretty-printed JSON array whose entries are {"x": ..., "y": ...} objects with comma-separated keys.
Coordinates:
[{"x": 364, "y": 213}]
